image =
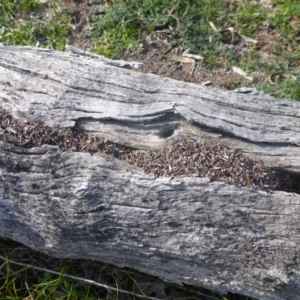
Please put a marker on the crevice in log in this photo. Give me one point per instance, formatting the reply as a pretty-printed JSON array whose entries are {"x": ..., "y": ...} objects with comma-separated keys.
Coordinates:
[
  {"x": 228, "y": 135},
  {"x": 188, "y": 157},
  {"x": 152, "y": 123}
]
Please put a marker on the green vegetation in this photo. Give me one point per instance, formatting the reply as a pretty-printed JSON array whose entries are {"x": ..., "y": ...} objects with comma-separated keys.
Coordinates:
[
  {"x": 35, "y": 276},
  {"x": 199, "y": 26},
  {"x": 29, "y": 22},
  {"x": 128, "y": 22}
]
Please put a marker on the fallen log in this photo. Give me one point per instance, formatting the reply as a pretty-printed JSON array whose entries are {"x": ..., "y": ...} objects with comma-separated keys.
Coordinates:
[{"x": 182, "y": 229}]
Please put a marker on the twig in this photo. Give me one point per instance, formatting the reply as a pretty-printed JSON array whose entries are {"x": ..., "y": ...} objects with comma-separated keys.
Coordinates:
[
  {"x": 103, "y": 59},
  {"x": 88, "y": 281}
]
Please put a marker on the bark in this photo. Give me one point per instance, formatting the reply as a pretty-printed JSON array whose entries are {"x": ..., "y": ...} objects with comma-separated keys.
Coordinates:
[{"x": 183, "y": 230}]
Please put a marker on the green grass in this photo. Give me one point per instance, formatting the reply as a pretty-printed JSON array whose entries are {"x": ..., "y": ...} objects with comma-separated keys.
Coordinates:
[
  {"x": 28, "y": 22},
  {"x": 49, "y": 278},
  {"x": 33, "y": 275},
  {"x": 127, "y": 23}
]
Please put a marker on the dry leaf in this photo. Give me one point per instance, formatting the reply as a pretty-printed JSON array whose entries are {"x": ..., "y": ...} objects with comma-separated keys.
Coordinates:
[
  {"x": 213, "y": 27},
  {"x": 276, "y": 75},
  {"x": 187, "y": 53},
  {"x": 182, "y": 59},
  {"x": 241, "y": 72}
]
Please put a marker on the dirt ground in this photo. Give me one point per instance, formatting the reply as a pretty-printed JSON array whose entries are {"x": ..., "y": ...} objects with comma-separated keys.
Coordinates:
[{"x": 157, "y": 54}]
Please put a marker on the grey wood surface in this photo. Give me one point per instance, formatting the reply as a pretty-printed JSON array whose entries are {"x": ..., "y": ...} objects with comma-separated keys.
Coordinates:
[
  {"x": 130, "y": 108},
  {"x": 183, "y": 230}
]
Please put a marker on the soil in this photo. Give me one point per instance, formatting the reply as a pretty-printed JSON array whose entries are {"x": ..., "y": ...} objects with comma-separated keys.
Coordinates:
[
  {"x": 157, "y": 53},
  {"x": 157, "y": 59}
]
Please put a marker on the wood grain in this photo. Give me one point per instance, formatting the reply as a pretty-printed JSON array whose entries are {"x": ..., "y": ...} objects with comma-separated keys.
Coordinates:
[
  {"x": 131, "y": 108},
  {"x": 183, "y": 230}
]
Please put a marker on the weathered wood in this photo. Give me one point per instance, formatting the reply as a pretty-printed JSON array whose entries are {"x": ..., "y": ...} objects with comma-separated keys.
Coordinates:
[
  {"x": 133, "y": 109},
  {"x": 183, "y": 230}
]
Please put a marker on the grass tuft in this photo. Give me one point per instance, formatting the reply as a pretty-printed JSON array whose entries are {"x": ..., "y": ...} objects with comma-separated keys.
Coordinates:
[{"x": 29, "y": 22}]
